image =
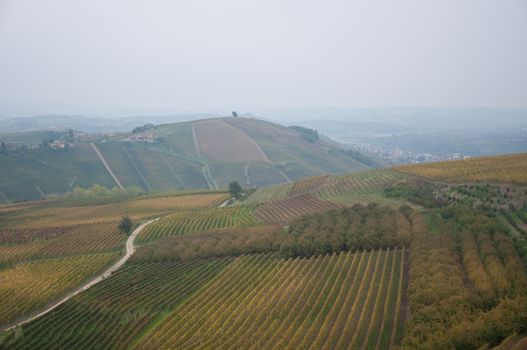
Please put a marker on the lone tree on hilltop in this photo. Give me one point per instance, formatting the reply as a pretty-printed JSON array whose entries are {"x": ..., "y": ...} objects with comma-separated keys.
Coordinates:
[
  {"x": 234, "y": 114},
  {"x": 235, "y": 189},
  {"x": 126, "y": 224}
]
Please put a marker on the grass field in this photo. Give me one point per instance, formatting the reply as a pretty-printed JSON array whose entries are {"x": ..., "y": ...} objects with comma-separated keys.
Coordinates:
[
  {"x": 337, "y": 301},
  {"x": 52, "y": 171},
  {"x": 510, "y": 168}
]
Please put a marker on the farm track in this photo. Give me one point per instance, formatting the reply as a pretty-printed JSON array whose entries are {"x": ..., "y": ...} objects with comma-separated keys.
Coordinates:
[
  {"x": 130, "y": 249},
  {"x": 107, "y": 166},
  {"x": 148, "y": 187},
  {"x": 205, "y": 170}
]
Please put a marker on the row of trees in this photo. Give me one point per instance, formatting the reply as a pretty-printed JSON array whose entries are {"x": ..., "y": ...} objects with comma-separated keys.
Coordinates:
[
  {"x": 464, "y": 281},
  {"x": 98, "y": 191},
  {"x": 356, "y": 228},
  {"x": 231, "y": 241}
]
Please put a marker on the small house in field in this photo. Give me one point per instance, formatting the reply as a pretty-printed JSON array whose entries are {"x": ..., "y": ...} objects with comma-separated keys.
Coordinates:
[
  {"x": 57, "y": 144},
  {"x": 143, "y": 138}
]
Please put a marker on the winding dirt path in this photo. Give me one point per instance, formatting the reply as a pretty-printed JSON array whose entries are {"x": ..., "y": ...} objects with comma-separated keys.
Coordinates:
[{"x": 130, "y": 250}]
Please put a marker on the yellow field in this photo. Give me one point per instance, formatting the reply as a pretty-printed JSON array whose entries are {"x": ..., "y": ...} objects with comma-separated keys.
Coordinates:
[
  {"x": 218, "y": 141},
  {"x": 46, "y": 216},
  {"x": 29, "y": 286},
  {"x": 510, "y": 168}
]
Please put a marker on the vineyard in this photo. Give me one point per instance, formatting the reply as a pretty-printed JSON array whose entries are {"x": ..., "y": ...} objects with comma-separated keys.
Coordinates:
[
  {"x": 61, "y": 214},
  {"x": 61, "y": 241},
  {"x": 269, "y": 193},
  {"x": 198, "y": 220},
  {"x": 29, "y": 286},
  {"x": 113, "y": 313},
  {"x": 283, "y": 211},
  {"x": 510, "y": 168},
  {"x": 308, "y": 185},
  {"x": 352, "y": 188},
  {"x": 347, "y": 300},
  {"x": 362, "y": 188}
]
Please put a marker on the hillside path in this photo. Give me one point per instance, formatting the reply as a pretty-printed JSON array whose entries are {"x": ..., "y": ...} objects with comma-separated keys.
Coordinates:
[
  {"x": 205, "y": 170},
  {"x": 99, "y": 154},
  {"x": 130, "y": 250}
]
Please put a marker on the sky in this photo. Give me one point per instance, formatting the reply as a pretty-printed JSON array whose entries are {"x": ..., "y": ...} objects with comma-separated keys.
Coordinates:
[{"x": 110, "y": 57}]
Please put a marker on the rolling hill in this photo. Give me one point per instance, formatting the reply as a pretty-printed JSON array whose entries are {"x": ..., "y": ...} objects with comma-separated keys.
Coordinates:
[
  {"x": 206, "y": 153},
  {"x": 376, "y": 259}
]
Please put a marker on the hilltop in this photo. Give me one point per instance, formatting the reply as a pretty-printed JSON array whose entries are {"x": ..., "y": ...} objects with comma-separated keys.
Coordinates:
[{"x": 199, "y": 154}]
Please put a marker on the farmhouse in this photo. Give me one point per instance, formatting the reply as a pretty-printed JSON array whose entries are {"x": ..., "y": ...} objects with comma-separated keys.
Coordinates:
[{"x": 57, "y": 144}]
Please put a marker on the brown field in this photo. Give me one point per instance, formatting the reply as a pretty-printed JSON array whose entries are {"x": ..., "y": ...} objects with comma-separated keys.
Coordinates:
[
  {"x": 509, "y": 168},
  {"x": 218, "y": 141}
]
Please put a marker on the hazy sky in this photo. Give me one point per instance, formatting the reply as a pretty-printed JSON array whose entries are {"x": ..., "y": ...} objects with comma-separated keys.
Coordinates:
[{"x": 106, "y": 56}]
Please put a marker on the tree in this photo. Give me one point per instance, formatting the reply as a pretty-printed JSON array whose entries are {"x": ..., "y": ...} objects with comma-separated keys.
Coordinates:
[
  {"x": 126, "y": 224},
  {"x": 234, "y": 114},
  {"x": 235, "y": 189}
]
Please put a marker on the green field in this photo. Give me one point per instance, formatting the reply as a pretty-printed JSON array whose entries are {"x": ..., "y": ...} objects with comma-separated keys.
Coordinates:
[{"x": 171, "y": 161}]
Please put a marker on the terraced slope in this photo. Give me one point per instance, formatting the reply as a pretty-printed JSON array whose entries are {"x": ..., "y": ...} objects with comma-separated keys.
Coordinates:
[{"x": 258, "y": 302}]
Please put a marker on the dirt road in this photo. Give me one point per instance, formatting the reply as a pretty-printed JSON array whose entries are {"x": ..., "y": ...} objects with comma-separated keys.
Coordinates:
[{"x": 130, "y": 249}]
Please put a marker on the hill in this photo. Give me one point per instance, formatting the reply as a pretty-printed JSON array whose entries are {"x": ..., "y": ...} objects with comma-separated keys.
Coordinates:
[
  {"x": 369, "y": 260},
  {"x": 206, "y": 153}
]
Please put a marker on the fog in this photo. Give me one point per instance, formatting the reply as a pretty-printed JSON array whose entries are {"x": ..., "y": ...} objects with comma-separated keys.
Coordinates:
[{"x": 117, "y": 58}]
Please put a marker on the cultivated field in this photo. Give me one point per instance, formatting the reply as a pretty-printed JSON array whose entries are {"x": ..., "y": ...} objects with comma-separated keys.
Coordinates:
[
  {"x": 511, "y": 168},
  {"x": 59, "y": 241},
  {"x": 198, "y": 221},
  {"x": 47, "y": 249},
  {"x": 31, "y": 285},
  {"x": 283, "y": 211},
  {"x": 348, "y": 300},
  {"x": 348, "y": 189},
  {"x": 113, "y": 313},
  {"x": 38, "y": 215},
  {"x": 220, "y": 142}
]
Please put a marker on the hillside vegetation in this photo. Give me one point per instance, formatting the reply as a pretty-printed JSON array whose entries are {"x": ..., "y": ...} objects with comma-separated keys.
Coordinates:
[
  {"x": 509, "y": 168},
  {"x": 371, "y": 260},
  {"x": 190, "y": 155},
  {"x": 47, "y": 249}
]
